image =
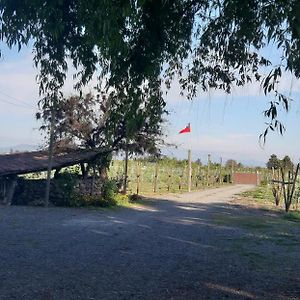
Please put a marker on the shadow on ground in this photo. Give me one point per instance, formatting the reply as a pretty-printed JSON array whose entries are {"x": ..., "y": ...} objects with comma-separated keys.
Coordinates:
[{"x": 160, "y": 249}]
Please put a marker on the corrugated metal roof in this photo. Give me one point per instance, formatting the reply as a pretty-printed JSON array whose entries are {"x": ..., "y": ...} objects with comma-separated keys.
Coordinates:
[{"x": 29, "y": 162}]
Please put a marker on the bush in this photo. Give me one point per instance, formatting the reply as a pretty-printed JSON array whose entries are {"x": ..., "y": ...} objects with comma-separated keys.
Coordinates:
[
  {"x": 78, "y": 200},
  {"x": 63, "y": 189},
  {"x": 109, "y": 190},
  {"x": 135, "y": 198},
  {"x": 108, "y": 198}
]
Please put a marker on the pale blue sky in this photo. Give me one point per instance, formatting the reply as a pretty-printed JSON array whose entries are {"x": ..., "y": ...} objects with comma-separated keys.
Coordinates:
[{"x": 226, "y": 126}]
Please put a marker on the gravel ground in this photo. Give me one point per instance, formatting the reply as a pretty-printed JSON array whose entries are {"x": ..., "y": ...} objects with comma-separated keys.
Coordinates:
[{"x": 188, "y": 246}]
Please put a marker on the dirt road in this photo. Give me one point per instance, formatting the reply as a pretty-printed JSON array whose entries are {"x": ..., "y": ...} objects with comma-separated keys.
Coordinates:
[{"x": 173, "y": 248}]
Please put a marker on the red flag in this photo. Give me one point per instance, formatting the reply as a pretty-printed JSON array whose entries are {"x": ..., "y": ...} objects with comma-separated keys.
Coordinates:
[{"x": 186, "y": 129}]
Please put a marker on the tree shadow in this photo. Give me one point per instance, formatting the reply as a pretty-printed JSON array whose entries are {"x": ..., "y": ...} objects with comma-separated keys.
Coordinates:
[{"x": 156, "y": 249}]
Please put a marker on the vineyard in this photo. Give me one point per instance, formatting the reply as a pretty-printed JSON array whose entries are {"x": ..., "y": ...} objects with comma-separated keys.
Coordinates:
[{"x": 170, "y": 175}]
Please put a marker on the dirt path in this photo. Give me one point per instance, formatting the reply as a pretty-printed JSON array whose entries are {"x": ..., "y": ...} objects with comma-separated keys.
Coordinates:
[{"x": 188, "y": 246}]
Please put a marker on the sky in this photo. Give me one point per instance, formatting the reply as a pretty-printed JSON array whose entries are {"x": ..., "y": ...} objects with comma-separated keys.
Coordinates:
[{"x": 225, "y": 126}]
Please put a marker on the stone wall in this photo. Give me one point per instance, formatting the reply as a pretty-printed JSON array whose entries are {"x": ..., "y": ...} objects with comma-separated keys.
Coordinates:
[{"x": 32, "y": 192}]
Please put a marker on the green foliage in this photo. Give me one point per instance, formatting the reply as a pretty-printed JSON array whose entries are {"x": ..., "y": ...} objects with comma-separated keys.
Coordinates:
[
  {"x": 135, "y": 198},
  {"x": 63, "y": 189},
  {"x": 287, "y": 163},
  {"x": 273, "y": 162},
  {"x": 172, "y": 175},
  {"x": 208, "y": 44},
  {"x": 109, "y": 190},
  {"x": 109, "y": 198},
  {"x": 260, "y": 193},
  {"x": 231, "y": 163},
  {"x": 91, "y": 200}
]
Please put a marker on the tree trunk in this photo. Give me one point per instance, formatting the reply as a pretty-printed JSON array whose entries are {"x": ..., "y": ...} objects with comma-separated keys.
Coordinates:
[
  {"x": 57, "y": 173},
  {"x": 125, "y": 172},
  {"x": 84, "y": 171},
  {"x": 103, "y": 173},
  {"x": 50, "y": 156}
]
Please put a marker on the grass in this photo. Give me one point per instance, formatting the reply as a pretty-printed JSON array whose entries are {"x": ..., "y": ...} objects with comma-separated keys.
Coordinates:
[
  {"x": 260, "y": 194},
  {"x": 293, "y": 216},
  {"x": 264, "y": 230},
  {"x": 263, "y": 198},
  {"x": 248, "y": 222},
  {"x": 121, "y": 200}
]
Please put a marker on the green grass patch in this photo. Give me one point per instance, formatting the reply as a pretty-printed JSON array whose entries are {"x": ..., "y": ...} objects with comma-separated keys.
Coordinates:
[
  {"x": 249, "y": 222},
  {"x": 292, "y": 216},
  {"x": 260, "y": 193}
]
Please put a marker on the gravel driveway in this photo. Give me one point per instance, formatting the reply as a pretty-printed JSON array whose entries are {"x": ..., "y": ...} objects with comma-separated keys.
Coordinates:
[{"x": 180, "y": 247}]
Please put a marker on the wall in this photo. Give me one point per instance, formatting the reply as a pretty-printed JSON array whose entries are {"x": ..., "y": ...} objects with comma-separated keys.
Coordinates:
[{"x": 246, "y": 178}]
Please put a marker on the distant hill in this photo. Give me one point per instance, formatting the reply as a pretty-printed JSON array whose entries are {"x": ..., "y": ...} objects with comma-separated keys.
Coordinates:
[{"x": 19, "y": 148}]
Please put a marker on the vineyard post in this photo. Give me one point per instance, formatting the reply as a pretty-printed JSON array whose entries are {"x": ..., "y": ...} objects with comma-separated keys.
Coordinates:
[
  {"x": 155, "y": 177},
  {"x": 220, "y": 178},
  {"x": 189, "y": 170},
  {"x": 125, "y": 182},
  {"x": 197, "y": 176},
  {"x": 232, "y": 171},
  {"x": 138, "y": 175},
  {"x": 169, "y": 181},
  {"x": 208, "y": 170},
  {"x": 180, "y": 181}
]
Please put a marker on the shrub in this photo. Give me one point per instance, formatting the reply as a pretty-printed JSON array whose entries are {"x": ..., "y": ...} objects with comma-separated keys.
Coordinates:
[
  {"x": 135, "y": 198},
  {"x": 109, "y": 197},
  {"x": 63, "y": 189},
  {"x": 109, "y": 189}
]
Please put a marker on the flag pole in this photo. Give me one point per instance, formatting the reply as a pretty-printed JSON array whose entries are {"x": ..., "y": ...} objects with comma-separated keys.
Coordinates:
[{"x": 187, "y": 129}]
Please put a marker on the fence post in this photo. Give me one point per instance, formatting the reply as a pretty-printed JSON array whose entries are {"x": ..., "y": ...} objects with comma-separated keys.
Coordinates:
[
  {"x": 257, "y": 178},
  {"x": 138, "y": 174},
  {"x": 208, "y": 170},
  {"x": 125, "y": 182},
  {"x": 169, "y": 182},
  {"x": 189, "y": 170},
  {"x": 220, "y": 176},
  {"x": 155, "y": 177},
  {"x": 180, "y": 181}
]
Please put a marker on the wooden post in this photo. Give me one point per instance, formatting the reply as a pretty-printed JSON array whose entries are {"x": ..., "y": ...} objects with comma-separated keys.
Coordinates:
[
  {"x": 294, "y": 180},
  {"x": 208, "y": 170},
  {"x": 169, "y": 182},
  {"x": 155, "y": 178},
  {"x": 180, "y": 182},
  {"x": 220, "y": 175},
  {"x": 125, "y": 182},
  {"x": 138, "y": 177},
  {"x": 11, "y": 186},
  {"x": 189, "y": 170},
  {"x": 50, "y": 154},
  {"x": 257, "y": 178}
]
